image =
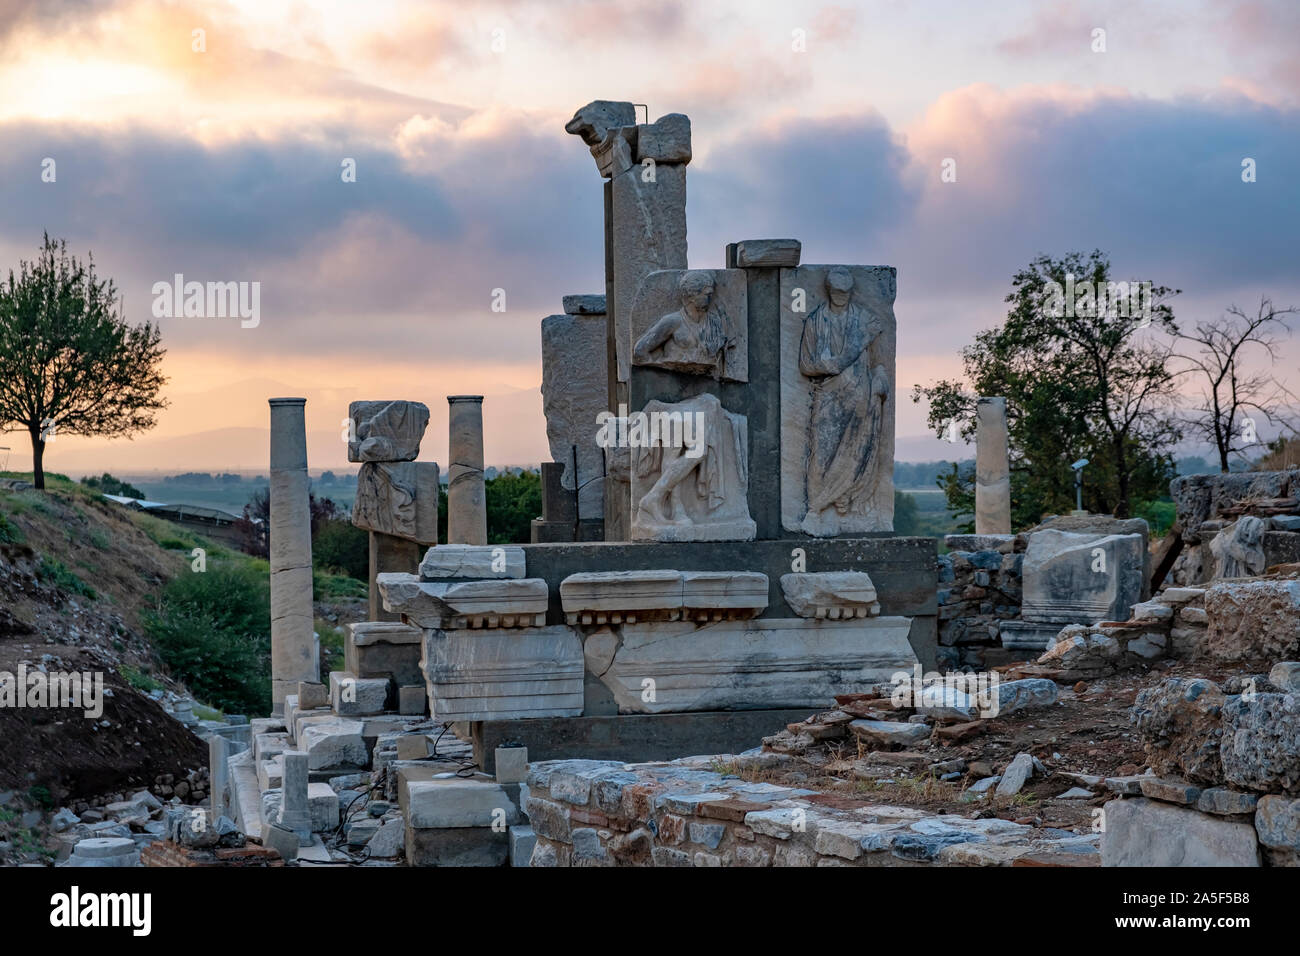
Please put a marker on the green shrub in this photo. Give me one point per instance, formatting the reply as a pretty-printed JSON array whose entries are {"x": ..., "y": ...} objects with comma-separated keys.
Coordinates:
[
  {"x": 138, "y": 678},
  {"x": 342, "y": 547},
  {"x": 514, "y": 499},
  {"x": 1160, "y": 515},
  {"x": 10, "y": 533},
  {"x": 326, "y": 587},
  {"x": 332, "y": 639},
  {"x": 213, "y": 631},
  {"x": 56, "y": 573}
]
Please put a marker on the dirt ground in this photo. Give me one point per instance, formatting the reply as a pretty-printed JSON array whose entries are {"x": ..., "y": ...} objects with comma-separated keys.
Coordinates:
[
  {"x": 1085, "y": 732},
  {"x": 72, "y": 756}
]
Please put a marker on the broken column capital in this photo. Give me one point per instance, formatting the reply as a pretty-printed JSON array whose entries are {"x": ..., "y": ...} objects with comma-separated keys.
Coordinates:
[{"x": 601, "y": 124}]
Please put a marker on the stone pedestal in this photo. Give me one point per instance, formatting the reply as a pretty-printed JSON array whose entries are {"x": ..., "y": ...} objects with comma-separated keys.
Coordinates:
[
  {"x": 219, "y": 774},
  {"x": 293, "y": 655},
  {"x": 295, "y": 810},
  {"x": 992, "y": 468},
  {"x": 389, "y": 553},
  {"x": 466, "y": 495}
]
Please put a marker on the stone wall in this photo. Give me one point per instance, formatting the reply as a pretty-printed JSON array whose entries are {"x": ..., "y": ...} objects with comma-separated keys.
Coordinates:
[
  {"x": 167, "y": 853},
  {"x": 1208, "y": 505},
  {"x": 699, "y": 812},
  {"x": 978, "y": 589},
  {"x": 1225, "y": 783}
]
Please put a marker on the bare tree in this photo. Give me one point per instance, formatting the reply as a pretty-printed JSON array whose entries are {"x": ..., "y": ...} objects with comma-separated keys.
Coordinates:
[{"x": 1220, "y": 350}]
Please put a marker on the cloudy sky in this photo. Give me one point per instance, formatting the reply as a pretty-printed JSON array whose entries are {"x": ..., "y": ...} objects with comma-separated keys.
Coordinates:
[{"x": 223, "y": 163}]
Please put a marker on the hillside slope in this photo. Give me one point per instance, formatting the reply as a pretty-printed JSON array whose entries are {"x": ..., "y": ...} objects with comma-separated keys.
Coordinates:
[{"x": 76, "y": 574}]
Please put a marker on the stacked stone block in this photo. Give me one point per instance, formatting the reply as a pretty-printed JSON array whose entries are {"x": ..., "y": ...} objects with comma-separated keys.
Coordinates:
[
  {"x": 685, "y": 813},
  {"x": 980, "y": 586},
  {"x": 1224, "y": 787}
]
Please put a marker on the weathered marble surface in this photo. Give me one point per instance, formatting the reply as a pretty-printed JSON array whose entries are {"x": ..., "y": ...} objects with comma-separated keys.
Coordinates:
[
  {"x": 584, "y": 303},
  {"x": 293, "y": 644},
  {"x": 1081, "y": 578},
  {"x": 649, "y": 234},
  {"x": 599, "y": 597},
  {"x": 838, "y": 341},
  {"x": 768, "y": 253},
  {"x": 387, "y": 431},
  {"x": 648, "y": 200},
  {"x": 600, "y": 123},
  {"x": 1142, "y": 832},
  {"x": 832, "y": 594},
  {"x": 399, "y": 498},
  {"x": 466, "y": 495},
  {"x": 620, "y": 592},
  {"x": 504, "y": 674},
  {"x": 666, "y": 140},
  {"x": 699, "y": 492},
  {"x": 1238, "y": 549},
  {"x": 498, "y": 602},
  {"x": 473, "y": 561},
  {"x": 692, "y": 321},
  {"x": 992, "y": 468},
  {"x": 574, "y": 392},
  {"x": 377, "y": 649},
  {"x": 738, "y": 665}
]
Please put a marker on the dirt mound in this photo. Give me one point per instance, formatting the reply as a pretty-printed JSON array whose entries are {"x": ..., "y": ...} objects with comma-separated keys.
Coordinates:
[
  {"x": 75, "y": 574},
  {"x": 73, "y": 756}
]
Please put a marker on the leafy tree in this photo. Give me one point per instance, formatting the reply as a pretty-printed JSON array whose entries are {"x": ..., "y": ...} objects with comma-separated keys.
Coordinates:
[
  {"x": 253, "y": 527},
  {"x": 108, "y": 485},
  {"x": 340, "y": 545},
  {"x": 70, "y": 364},
  {"x": 213, "y": 631},
  {"x": 1081, "y": 385},
  {"x": 514, "y": 499},
  {"x": 907, "y": 520}
]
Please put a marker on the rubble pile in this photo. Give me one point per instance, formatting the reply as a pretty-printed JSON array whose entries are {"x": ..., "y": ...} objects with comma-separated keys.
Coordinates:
[
  {"x": 686, "y": 813},
  {"x": 1225, "y": 786}
]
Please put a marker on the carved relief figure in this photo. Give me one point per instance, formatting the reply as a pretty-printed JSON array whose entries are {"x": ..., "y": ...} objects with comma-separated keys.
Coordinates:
[
  {"x": 695, "y": 338},
  {"x": 697, "y": 491},
  {"x": 848, "y": 401}
]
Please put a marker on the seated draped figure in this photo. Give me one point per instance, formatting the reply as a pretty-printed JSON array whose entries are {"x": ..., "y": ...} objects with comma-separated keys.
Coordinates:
[{"x": 694, "y": 339}]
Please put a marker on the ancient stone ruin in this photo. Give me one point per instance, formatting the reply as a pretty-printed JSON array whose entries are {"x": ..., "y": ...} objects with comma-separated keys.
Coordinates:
[{"x": 715, "y": 647}]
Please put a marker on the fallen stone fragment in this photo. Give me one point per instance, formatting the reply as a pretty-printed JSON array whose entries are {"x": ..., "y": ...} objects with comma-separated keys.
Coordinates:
[
  {"x": 1076, "y": 793},
  {"x": 1016, "y": 775},
  {"x": 956, "y": 733},
  {"x": 1286, "y": 677},
  {"x": 1278, "y": 824},
  {"x": 889, "y": 733},
  {"x": 1023, "y": 694}
]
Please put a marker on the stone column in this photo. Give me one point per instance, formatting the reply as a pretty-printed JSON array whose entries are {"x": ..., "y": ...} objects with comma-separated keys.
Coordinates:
[
  {"x": 295, "y": 814},
  {"x": 219, "y": 774},
  {"x": 466, "y": 495},
  {"x": 293, "y": 656},
  {"x": 992, "y": 469}
]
